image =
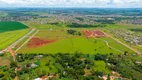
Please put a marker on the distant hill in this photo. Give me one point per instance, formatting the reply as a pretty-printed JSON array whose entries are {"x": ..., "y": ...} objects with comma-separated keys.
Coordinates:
[{"x": 11, "y": 26}]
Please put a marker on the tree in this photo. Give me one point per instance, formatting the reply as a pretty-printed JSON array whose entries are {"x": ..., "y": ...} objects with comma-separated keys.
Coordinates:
[
  {"x": 100, "y": 57},
  {"x": 13, "y": 75},
  {"x": 1, "y": 74},
  {"x": 108, "y": 77},
  {"x": 99, "y": 73},
  {"x": 13, "y": 64}
]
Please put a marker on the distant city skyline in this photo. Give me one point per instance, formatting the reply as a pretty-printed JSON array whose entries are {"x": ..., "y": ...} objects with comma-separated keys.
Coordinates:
[{"x": 73, "y": 3}]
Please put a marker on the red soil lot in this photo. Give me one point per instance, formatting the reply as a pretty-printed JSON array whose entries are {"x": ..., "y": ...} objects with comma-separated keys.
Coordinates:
[
  {"x": 93, "y": 33},
  {"x": 36, "y": 42}
]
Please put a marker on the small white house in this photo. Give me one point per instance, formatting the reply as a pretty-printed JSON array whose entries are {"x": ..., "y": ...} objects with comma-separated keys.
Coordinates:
[
  {"x": 37, "y": 79},
  {"x": 1, "y": 52},
  {"x": 33, "y": 65}
]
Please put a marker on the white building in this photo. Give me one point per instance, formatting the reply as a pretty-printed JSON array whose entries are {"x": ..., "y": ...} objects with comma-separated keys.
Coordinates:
[
  {"x": 1, "y": 52},
  {"x": 37, "y": 79}
]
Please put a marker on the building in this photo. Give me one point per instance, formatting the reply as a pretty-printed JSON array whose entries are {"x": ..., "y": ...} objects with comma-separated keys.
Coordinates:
[{"x": 1, "y": 52}]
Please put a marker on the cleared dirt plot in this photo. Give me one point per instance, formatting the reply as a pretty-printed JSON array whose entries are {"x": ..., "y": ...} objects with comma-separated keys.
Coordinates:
[
  {"x": 10, "y": 32},
  {"x": 36, "y": 42},
  {"x": 93, "y": 33}
]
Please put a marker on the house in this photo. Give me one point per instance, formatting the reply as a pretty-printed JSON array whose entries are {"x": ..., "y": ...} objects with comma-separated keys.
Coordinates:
[
  {"x": 1, "y": 52},
  {"x": 33, "y": 65},
  {"x": 37, "y": 79},
  {"x": 42, "y": 78},
  {"x": 138, "y": 62}
]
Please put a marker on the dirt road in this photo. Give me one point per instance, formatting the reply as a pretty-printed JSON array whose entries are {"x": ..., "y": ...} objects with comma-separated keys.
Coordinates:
[{"x": 112, "y": 47}]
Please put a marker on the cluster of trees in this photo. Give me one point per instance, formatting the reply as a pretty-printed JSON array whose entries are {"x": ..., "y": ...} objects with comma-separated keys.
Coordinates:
[
  {"x": 76, "y": 25},
  {"x": 106, "y": 21},
  {"x": 6, "y": 72},
  {"x": 23, "y": 57},
  {"x": 73, "y": 32},
  {"x": 125, "y": 64},
  {"x": 73, "y": 67},
  {"x": 137, "y": 30}
]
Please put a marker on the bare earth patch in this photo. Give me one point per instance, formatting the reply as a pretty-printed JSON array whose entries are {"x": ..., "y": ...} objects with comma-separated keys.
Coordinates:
[
  {"x": 36, "y": 42},
  {"x": 93, "y": 33}
]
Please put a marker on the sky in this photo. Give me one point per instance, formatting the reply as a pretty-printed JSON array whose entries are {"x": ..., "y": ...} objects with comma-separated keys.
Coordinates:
[{"x": 73, "y": 3}]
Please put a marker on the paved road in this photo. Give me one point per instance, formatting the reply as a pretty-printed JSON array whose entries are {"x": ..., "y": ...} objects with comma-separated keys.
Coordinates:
[
  {"x": 18, "y": 41},
  {"x": 136, "y": 51},
  {"x": 27, "y": 40},
  {"x": 15, "y": 43}
]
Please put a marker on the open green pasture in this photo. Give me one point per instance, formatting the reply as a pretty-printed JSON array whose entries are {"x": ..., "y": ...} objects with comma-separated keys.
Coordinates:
[{"x": 66, "y": 43}]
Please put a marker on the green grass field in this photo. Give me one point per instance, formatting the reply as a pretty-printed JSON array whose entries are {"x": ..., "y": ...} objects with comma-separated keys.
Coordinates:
[
  {"x": 10, "y": 32},
  {"x": 101, "y": 67},
  {"x": 69, "y": 44}
]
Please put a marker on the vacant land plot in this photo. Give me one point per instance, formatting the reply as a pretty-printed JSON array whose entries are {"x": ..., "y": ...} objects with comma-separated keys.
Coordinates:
[{"x": 66, "y": 43}]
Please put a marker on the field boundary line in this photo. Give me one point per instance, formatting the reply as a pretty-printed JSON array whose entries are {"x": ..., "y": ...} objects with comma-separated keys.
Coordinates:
[
  {"x": 27, "y": 41},
  {"x": 136, "y": 51}
]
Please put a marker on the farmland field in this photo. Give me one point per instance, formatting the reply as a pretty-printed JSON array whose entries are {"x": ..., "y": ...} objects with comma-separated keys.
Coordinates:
[
  {"x": 11, "y": 26},
  {"x": 10, "y": 32}
]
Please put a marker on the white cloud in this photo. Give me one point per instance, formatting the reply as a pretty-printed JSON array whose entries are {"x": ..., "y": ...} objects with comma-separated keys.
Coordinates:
[{"x": 72, "y": 3}]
